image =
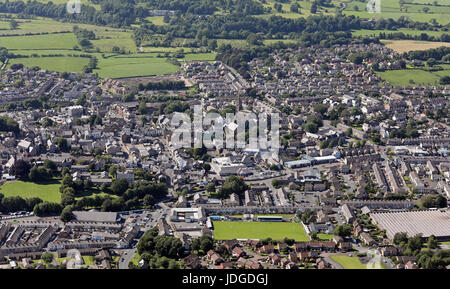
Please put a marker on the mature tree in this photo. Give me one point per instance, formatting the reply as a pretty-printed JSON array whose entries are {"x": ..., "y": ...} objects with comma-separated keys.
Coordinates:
[
  {"x": 20, "y": 169},
  {"x": 13, "y": 24},
  {"x": 119, "y": 187},
  {"x": 400, "y": 238},
  {"x": 211, "y": 188},
  {"x": 232, "y": 185},
  {"x": 50, "y": 165},
  {"x": 47, "y": 257},
  {"x": 343, "y": 230},
  {"x": 432, "y": 242},
  {"x": 62, "y": 144},
  {"x": 47, "y": 208},
  {"x": 66, "y": 214}
]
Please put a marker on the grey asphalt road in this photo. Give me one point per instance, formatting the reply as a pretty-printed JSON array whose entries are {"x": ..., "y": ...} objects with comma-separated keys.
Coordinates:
[{"x": 128, "y": 254}]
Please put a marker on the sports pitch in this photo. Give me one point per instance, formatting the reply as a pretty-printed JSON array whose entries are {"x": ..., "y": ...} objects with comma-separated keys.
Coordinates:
[{"x": 225, "y": 230}]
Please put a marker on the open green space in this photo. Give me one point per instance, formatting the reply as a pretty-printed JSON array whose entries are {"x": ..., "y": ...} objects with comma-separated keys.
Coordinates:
[
  {"x": 348, "y": 262},
  {"x": 224, "y": 230},
  {"x": 60, "y": 64},
  {"x": 128, "y": 66},
  {"x": 46, "y": 41},
  {"x": 366, "y": 32},
  {"x": 48, "y": 191},
  {"x": 406, "y": 77},
  {"x": 413, "y": 10},
  {"x": 325, "y": 236}
]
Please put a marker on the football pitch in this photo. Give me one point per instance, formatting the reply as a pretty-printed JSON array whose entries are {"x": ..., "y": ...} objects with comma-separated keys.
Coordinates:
[{"x": 225, "y": 230}]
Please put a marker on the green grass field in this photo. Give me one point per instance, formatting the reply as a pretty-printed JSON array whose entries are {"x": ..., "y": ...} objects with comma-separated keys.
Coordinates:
[
  {"x": 199, "y": 56},
  {"x": 224, "y": 230},
  {"x": 325, "y": 236},
  {"x": 418, "y": 76},
  {"x": 365, "y": 32},
  {"x": 47, "y": 41},
  {"x": 60, "y": 64},
  {"x": 348, "y": 262},
  {"x": 46, "y": 191},
  {"x": 128, "y": 66},
  {"x": 412, "y": 10}
]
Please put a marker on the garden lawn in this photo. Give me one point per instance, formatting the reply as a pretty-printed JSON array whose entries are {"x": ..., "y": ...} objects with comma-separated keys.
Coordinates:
[
  {"x": 88, "y": 260},
  {"x": 48, "y": 191},
  {"x": 348, "y": 262},
  {"x": 325, "y": 236},
  {"x": 224, "y": 230}
]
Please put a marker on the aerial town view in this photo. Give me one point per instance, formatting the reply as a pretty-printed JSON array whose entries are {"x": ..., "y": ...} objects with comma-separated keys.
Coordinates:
[{"x": 225, "y": 134}]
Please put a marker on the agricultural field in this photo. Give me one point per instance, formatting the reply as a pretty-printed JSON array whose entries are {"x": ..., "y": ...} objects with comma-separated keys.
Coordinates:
[
  {"x": 348, "y": 262},
  {"x": 413, "y": 10},
  {"x": 157, "y": 20},
  {"x": 199, "y": 57},
  {"x": 224, "y": 230},
  {"x": 41, "y": 25},
  {"x": 46, "y": 41},
  {"x": 108, "y": 39},
  {"x": 60, "y": 64},
  {"x": 48, "y": 191},
  {"x": 304, "y": 11},
  {"x": 44, "y": 52},
  {"x": 133, "y": 65},
  {"x": 409, "y": 45},
  {"x": 365, "y": 32}
]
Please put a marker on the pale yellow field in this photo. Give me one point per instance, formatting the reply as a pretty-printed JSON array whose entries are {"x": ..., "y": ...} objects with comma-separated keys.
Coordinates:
[{"x": 409, "y": 45}]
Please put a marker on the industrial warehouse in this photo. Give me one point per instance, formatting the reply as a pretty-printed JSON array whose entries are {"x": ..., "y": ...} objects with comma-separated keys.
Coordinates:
[{"x": 427, "y": 223}]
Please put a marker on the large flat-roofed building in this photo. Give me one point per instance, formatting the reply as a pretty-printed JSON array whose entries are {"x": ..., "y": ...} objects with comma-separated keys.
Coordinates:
[
  {"x": 427, "y": 223},
  {"x": 104, "y": 217},
  {"x": 188, "y": 215},
  {"x": 225, "y": 167}
]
